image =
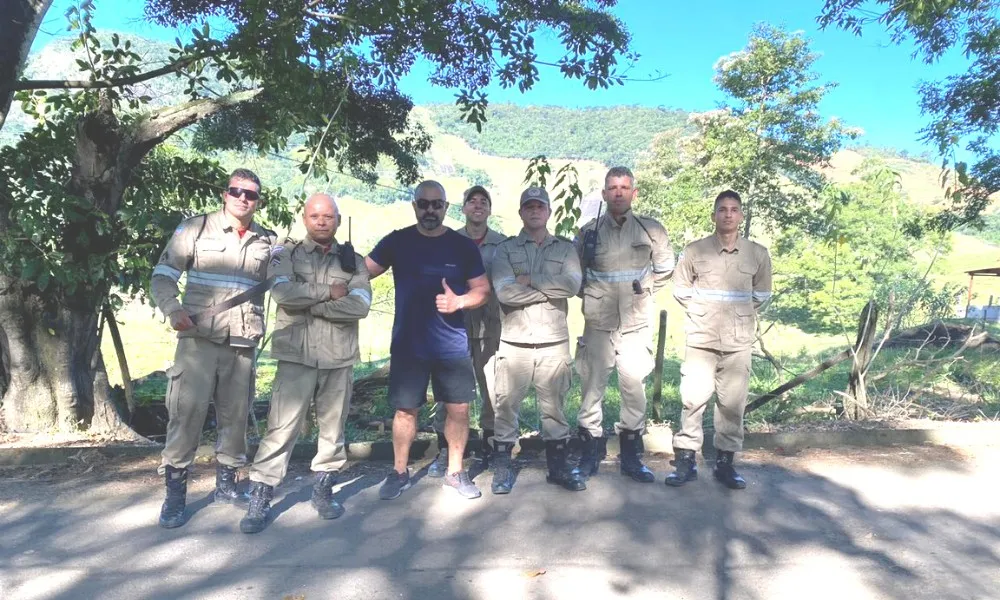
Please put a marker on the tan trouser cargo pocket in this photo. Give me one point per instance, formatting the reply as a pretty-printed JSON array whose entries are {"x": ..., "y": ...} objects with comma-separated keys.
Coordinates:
[{"x": 173, "y": 388}]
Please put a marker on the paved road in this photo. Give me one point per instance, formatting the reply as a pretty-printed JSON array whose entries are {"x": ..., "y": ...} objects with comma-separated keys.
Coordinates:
[{"x": 905, "y": 523}]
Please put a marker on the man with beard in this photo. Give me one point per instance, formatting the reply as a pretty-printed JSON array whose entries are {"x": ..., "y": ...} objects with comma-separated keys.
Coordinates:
[
  {"x": 437, "y": 274},
  {"x": 482, "y": 325},
  {"x": 722, "y": 281},
  {"x": 315, "y": 342},
  {"x": 223, "y": 254}
]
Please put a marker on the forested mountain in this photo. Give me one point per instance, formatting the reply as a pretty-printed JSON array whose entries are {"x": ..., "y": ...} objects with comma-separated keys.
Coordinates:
[{"x": 613, "y": 136}]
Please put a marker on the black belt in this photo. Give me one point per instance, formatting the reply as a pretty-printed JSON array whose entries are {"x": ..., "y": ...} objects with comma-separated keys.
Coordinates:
[{"x": 534, "y": 346}]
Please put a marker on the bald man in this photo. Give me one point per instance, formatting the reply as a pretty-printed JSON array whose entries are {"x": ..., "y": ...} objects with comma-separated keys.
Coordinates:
[{"x": 316, "y": 344}]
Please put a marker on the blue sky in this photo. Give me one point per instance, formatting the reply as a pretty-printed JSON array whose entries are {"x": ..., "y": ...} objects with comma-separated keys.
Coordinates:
[{"x": 877, "y": 81}]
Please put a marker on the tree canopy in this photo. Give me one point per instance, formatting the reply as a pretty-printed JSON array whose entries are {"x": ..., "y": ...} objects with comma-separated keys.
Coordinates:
[{"x": 964, "y": 108}]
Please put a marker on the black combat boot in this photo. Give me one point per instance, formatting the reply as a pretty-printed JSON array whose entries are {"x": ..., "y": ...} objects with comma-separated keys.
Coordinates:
[
  {"x": 225, "y": 487},
  {"x": 685, "y": 469},
  {"x": 630, "y": 456},
  {"x": 560, "y": 471},
  {"x": 439, "y": 468},
  {"x": 172, "y": 511},
  {"x": 594, "y": 449},
  {"x": 725, "y": 473},
  {"x": 485, "y": 448},
  {"x": 322, "y": 498},
  {"x": 503, "y": 473},
  {"x": 255, "y": 520}
]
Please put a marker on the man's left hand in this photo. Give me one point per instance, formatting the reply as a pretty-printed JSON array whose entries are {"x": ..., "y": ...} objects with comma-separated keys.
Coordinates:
[
  {"x": 523, "y": 280},
  {"x": 448, "y": 302}
]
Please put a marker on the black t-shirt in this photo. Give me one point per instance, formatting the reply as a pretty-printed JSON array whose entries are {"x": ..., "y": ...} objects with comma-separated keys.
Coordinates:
[{"x": 419, "y": 263}]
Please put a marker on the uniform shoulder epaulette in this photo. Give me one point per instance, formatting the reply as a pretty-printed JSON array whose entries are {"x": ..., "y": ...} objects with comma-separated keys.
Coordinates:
[
  {"x": 588, "y": 224},
  {"x": 193, "y": 221},
  {"x": 649, "y": 220},
  {"x": 564, "y": 238}
]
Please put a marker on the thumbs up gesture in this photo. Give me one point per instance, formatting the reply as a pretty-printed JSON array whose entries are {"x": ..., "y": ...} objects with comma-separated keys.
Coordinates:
[{"x": 448, "y": 302}]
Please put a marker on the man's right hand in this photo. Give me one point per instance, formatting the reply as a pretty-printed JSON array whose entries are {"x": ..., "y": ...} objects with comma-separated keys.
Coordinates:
[
  {"x": 338, "y": 291},
  {"x": 181, "y": 321}
]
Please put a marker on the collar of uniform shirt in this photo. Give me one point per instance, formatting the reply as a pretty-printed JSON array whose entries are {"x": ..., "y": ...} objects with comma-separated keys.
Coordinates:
[
  {"x": 523, "y": 238},
  {"x": 312, "y": 246},
  {"x": 740, "y": 243},
  {"x": 614, "y": 223}
]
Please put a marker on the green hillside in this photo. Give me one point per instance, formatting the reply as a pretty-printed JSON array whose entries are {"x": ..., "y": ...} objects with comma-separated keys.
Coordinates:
[{"x": 612, "y": 136}]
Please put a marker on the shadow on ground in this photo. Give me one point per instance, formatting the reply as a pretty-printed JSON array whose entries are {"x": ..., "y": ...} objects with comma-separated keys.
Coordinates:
[{"x": 901, "y": 527}]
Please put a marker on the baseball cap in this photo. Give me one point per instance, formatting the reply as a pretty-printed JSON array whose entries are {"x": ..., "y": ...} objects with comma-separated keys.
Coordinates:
[
  {"x": 476, "y": 189},
  {"x": 535, "y": 193}
]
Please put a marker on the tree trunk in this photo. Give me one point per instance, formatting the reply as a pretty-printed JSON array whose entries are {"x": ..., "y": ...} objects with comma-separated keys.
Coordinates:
[
  {"x": 18, "y": 27},
  {"x": 857, "y": 406},
  {"x": 56, "y": 375}
]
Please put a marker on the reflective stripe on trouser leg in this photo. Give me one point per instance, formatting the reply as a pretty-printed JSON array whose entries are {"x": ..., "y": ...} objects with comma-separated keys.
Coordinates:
[
  {"x": 697, "y": 387},
  {"x": 291, "y": 394},
  {"x": 333, "y": 397},
  {"x": 191, "y": 380},
  {"x": 634, "y": 359},
  {"x": 594, "y": 362},
  {"x": 732, "y": 382},
  {"x": 232, "y": 405},
  {"x": 552, "y": 381},
  {"x": 514, "y": 371},
  {"x": 484, "y": 355}
]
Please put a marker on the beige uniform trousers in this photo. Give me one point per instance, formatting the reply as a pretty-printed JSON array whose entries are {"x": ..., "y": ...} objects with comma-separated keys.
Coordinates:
[
  {"x": 597, "y": 354},
  {"x": 727, "y": 375},
  {"x": 295, "y": 388},
  {"x": 205, "y": 372},
  {"x": 484, "y": 354},
  {"x": 548, "y": 369}
]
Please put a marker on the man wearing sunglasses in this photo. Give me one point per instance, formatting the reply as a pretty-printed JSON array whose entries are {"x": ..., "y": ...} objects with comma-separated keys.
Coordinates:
[
  {"x": 437, "y": 274},
  {"x": 223, "y": 254},
  {"x": 482, "y": 325}
]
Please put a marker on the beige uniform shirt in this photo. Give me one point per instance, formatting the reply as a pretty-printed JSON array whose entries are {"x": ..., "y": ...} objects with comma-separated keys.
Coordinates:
[
  {"x": 722, "y": 291},
  {"x": 484, "y": 322},
  {"x": 535, "y": 314},
  {"x": 219, "y": 264},
  {"x": 311, "y": 329},
  {"x": 637, "y": 250}
]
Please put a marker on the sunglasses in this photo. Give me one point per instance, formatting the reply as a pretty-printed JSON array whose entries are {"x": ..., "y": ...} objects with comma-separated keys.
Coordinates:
[
  {"x": 424, "y": 204},
  {"x": 236, "y": 192}
]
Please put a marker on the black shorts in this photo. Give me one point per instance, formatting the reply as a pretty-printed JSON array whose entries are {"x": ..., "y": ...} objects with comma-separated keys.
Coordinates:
[{"x": 452, "y": 379}]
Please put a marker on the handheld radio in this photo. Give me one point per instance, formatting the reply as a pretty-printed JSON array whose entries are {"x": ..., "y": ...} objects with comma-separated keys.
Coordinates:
[
  {"x": 590, "y": 241},
  {"x": 348, "y": 260}
]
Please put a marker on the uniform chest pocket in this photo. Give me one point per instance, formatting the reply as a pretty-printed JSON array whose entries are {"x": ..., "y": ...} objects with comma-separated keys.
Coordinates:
[
  {"x": 641, "y": 253},
  {"x": 209, "y": 253},
  {"x": 258, "y": 256},
  {"x": 304, "y": 271},
  {"x": 519, "y": 263},
  {"x": 745, "y": 272},
  {"x": 707, "y": 274},
  {"x": 553, "y": 265}
]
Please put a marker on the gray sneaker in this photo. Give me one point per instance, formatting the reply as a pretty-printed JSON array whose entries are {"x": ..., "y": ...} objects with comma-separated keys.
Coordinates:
[
  {"x": 461, "y": 483},
  {"x": 394, "y": 485},
  {"x": 439, "y": 468}
]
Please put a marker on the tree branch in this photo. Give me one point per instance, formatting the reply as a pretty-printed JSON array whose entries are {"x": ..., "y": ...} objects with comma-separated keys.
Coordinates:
[
  {"x": 324, "y": 15},
  {"x": 164, "y": 122},
  {"x": 66, "y": 84}
]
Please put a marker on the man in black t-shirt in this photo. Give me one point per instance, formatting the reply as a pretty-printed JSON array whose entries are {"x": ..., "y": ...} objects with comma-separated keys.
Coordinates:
[{"x": 437, "y": 274}]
